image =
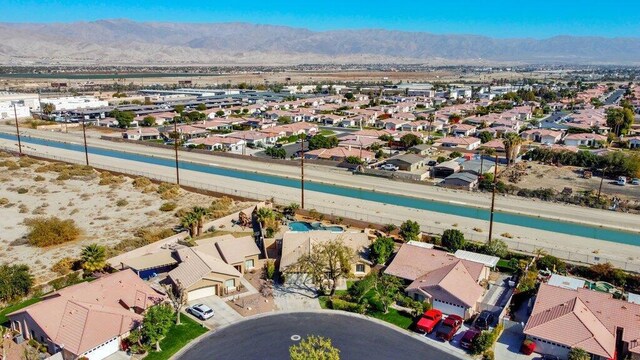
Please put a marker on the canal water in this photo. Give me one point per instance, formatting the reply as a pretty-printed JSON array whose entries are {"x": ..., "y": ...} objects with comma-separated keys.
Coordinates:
[{"x": 618, "y": 236}]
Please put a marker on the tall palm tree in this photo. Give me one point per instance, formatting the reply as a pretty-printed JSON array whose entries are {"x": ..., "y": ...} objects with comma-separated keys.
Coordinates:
[
  {"x": 200, "y": 214},
  {"x": 430, "y": 119},
  {"x": 512, "y": 143},
  {"x": 93, "y": 258},
  {"x": 190, "y": 221}
]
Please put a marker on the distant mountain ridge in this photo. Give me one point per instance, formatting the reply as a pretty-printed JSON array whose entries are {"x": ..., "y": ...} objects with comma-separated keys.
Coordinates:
[{"x": 146, "y": 43}]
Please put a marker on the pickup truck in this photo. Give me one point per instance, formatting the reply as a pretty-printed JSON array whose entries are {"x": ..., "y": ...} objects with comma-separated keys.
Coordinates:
[
  {"x": 389, "y": 167},
  {"x": 449, "y": 327},
  {"x": 429, "y": 320}
]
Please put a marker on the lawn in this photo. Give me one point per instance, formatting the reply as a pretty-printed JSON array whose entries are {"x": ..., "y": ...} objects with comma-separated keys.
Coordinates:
[
  {"x": 326, "y": 132},
  {"x": 14, "y": 307},
  {"x": 394, "y": 317},
  {"x": 177, "y": 338}
]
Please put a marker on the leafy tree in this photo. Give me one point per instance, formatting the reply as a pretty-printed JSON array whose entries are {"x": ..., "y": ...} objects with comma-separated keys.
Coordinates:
[
  {"x": 124, "y": 118},
  {"x": 220, "y": 113},
  {"x": 179, "y": 109},
  {"x": 353, "y": 160},
  {"x": 381, "y": 249},
  {"x": 620, "y": 119},
  {"x": 578, "y": 354},
  {"x": 455, "y": 155},
  {"x": 201, "y": 107},
  {"x": 327, "y": 263},
  {"x": 48, "y": 108},
  {"x": 194, "y": 116},
  {"x": 156, "y": 324},
  {"x": 285, "y": 120},
  {"x": 178, "y": 297},
  {"x": 551, "y": 263},
  {"x": 314, "y": 348},
  {"x": 323, "y": 142},
  {"x": 482, "y": 342},
  {"x": 15, "y": 282},
  {"x": 496, "y": 247},
  {"x": 453, "y": 239},
  {"x": 93, "y": 257},
  {"x": 349, "y": 96},
  {"x": 387, "y": 287},
  {"x": 485, "y": 136},
  {"x": 276, "y": 153},
  {"x": 410, "y": 140},
  {"x": 409, "y": 230},
  {"x": 148, "y": 121}
]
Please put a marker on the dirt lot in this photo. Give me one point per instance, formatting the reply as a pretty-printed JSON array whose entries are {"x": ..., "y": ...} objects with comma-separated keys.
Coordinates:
[
  {"x": 106, "y": 214},
  {"x": 538, "y": 175}
]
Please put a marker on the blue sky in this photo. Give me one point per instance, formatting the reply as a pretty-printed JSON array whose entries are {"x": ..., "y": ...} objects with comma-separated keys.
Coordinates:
[{"x": 497, "y": 18}]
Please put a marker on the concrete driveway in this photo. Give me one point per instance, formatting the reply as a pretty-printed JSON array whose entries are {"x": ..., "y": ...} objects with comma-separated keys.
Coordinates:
[
  {"x": 223, "y": 313},
  {"x": 452, "y": 346}
]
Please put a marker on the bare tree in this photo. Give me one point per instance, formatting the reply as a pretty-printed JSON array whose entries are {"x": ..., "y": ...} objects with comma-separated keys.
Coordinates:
[
  {"x": 326, "y": 263},
  {"x": 178, "y": 297}
]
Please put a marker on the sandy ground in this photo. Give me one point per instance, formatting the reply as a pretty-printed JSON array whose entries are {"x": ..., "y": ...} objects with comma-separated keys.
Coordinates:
[
  {"x": 519, "y": 237},
  {"x": 92, "y": 207},
  {"x": 546, "y": 176}
]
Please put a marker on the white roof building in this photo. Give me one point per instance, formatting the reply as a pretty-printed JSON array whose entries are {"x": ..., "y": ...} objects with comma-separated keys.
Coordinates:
[
  {"x": 487, "y": 260},
  {"x": 565, "y": 282}
]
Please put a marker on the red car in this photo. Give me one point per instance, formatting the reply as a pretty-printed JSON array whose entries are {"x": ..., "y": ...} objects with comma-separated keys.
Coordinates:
[
  {"x": 449, "y": 327},
  {"x": 429, "y": 320},
  {"x": 468, "y": 337}
]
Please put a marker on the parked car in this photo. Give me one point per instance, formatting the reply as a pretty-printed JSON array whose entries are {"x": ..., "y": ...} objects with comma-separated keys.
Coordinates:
[
  {"x": 389, "y": 167},
  {"x": 549, "y": 357},
  {"x": 484, "y": 320},
  {"x": 429, "y": 320},
  {"x": 201, "y": 311},
  {"x": 449, "y": 327},
  {"x": 432, "y": 163},
  {"x": 622, "y": 181},
  {"x": 635, "y": 181},
  {"x": 468, "y": 338}
]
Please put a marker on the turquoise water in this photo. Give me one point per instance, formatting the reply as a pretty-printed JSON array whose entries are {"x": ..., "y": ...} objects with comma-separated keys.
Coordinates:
[
  {"x": 624, "y": 237},
  {"x": 303, "y": 226}
]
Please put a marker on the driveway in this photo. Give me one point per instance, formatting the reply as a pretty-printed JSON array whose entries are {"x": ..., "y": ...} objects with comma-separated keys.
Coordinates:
[
  {"x": 295, "y": 298},
  {"x": 223, "y": 314},
  {"x": 452, "y": 346},
  {"x": 508, "y": 345},
  {"x": 271, "y": 336}
]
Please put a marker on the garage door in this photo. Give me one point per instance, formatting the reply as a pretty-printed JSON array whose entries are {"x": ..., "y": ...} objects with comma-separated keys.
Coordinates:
[
  {"x": 104, "y": 350},
  {"x": 448, "y": 308},
  {"x": 202, "y": 293}
]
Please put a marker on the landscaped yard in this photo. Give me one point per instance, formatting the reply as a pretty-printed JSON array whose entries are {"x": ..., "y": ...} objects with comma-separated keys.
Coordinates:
[
  {"x": 394, "y": 317},
  {"x": 177, "y": 338},
  {"x": 15, "y": 307},
  {"x": 326, "y": 132}
]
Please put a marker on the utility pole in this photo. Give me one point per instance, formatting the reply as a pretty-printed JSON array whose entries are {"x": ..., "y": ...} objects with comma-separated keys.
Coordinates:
[
  {"x": 493, "y": 197},
  {"x": 601, "y": 181},
  {"x": 302, "y": 172},
  {"x": 175, "y": 145},
  {"x": 15, "y": 115},
  {"x": 84, "y": 135}
]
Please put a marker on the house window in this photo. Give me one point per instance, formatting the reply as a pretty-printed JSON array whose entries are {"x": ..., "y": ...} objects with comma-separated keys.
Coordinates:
[
  {"x": 248, "y": 264},
  {"x": 359, "y": 268},
  {"x": 231, "y": 283}
]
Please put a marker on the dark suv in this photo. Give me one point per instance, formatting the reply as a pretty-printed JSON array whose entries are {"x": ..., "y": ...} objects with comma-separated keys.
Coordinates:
[{"x": 485, "y": 320}]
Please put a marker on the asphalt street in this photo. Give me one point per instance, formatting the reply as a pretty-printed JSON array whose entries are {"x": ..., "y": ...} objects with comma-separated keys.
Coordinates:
[{"x": 270, "y": 338}]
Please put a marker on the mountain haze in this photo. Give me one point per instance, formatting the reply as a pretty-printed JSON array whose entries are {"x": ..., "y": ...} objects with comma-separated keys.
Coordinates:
[{"x": 153, "y": 43}]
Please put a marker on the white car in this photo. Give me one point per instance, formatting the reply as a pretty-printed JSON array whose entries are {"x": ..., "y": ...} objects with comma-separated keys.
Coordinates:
[
  {"x": 622, "y": 181},
  {"x": 201, "y": 311},
  {"x": 389, "y": 167}
]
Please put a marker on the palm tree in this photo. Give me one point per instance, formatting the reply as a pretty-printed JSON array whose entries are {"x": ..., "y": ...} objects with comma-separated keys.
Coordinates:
[
  {"x": 512, "y": 143},
  {"x": 190, "y": 221},
  {"x": 200, "y": 214},
  {"x": 264, "y": 213},
  {"x": 93, "y": 258},
  {"x": 430, "y": 119}
]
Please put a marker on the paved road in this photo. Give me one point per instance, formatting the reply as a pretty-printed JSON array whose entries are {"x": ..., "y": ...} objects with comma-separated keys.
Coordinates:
[
  {"x": 270, "y": 337},
  {"x": 614, "y": 97}
]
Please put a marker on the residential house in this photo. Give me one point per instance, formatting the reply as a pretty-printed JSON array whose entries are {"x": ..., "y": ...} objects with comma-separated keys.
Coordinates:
[
  {"x": 203, "y": 275},
  {"x": 189, "y": 132},
  {"x": 421, "y": 149},
  {"x": 461, "y": 180},
  {"x": 565, "y": 318},
  {"x": 217, "y": 143},
  {"x": 393, "y": 124},
  {"x": 466, "y": 143},
  {"x": 462, "y": 130},
  {"x": 90, "y": 319},
  {"x": 241, "y": 253},
  {"x": 449, "y": 284},
  {"x": 358, "y": 141},
  {"x": 477, "y": 167},
  {"x": 296, "y": 244},
  {"x": 543, "y": 136},
  {"x": 142, "y": 133},
  {"x": 407, "y": 162},
  {"x": 332, "y": 119},
  {"x": 340, "y": 154},
  {"x": 254, "y": 138},
  {"x": 634, "y": 142},
  {"x": 584, "y": 139},
  {"x": 446, "y": 168}
]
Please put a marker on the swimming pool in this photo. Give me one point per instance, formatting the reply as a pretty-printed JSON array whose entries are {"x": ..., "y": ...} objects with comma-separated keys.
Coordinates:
[{"x": 304, "y": 226}]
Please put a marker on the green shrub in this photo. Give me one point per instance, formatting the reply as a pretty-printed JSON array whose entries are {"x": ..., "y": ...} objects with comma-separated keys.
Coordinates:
[
  {"x": 270, "y": 269},
  {"x": 488, "y": 355},
  {"x": 4, "y": 201},
  {"x": 64, "y": 265},
  {"x": 51, "y": 231},
  {"x": 39, "y": 178},
  {"x": 168, "y": 191},
  {"x": 168, "y": 206},
  {"x": 338, "y": 304},
  {"x": 122, "y": 202},
  {"x": 141, "y": 183},
  {"x": 23, "y": 190}
]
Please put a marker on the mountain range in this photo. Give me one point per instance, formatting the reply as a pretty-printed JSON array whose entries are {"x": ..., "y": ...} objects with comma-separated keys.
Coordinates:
[{"x": 125, "y": 42}]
